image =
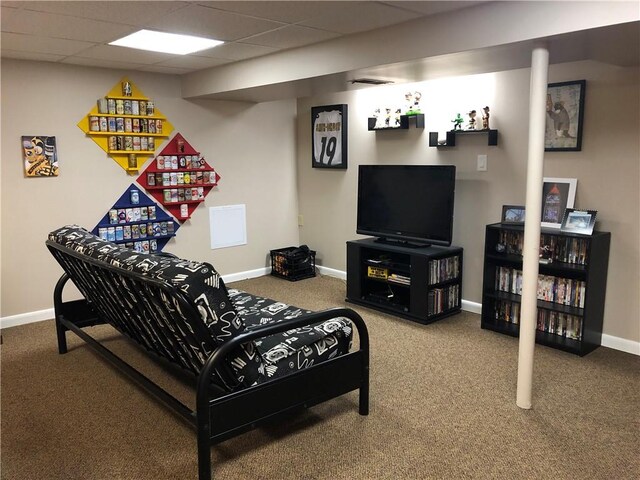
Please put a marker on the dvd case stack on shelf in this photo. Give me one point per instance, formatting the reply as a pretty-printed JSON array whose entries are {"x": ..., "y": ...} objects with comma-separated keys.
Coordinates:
[
  {"x": 441, "y": 299},
  {"x": 444, "y": 269},
  {"x": 571, "y": 250},
  {"x": 548, "y": 321},
  {"x": 564, "y": 291}
]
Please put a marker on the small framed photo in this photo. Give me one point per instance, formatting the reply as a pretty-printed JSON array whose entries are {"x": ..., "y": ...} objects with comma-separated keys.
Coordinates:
[
  {"x": 565, "y": 114},
  {"x": 558, "y": 194},
  {"x": 39, "y": 156},
  {"x": 513, "y": 214},
  {"x": 329, "y": 136},
  {"x": 578, "y": 221}
]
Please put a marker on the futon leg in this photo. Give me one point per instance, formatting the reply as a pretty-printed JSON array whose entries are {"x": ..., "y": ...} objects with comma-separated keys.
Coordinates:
[
  {"x": 364, "y": 399},
  {"x": 204, "y": 453},
  {"x": 62, "y": 336}
]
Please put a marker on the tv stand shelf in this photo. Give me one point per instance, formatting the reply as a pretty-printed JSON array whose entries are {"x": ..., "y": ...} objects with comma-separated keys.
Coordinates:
[{"x": 423, "y": 284}]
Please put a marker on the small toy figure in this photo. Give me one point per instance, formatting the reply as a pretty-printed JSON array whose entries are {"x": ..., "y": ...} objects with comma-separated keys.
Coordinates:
[
  {"x": 396, "y": 117},
  {"x": 457, "y": 122},
  {"x": 387, "y": 118},
  {"x": 485, "y": 118},
  {"x": 413, "y": 102},
  {"x": 472, "y": 120},
  {"x": 379, "y": 119}
]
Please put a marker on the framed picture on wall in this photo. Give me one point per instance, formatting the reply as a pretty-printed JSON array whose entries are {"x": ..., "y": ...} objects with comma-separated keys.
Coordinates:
[
  {"x": 558, "y": 194},
  {"x": 40, "y": 156},
  {"x": 565, "y": 113},
  {"x": 329, "y": 136}
]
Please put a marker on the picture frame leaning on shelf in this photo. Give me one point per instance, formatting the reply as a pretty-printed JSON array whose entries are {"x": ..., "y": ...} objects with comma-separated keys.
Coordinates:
[
  {"x": 513, "y": 214},
  {"x": 578, "y": 221},
  {"x": 557, "y": 195}
]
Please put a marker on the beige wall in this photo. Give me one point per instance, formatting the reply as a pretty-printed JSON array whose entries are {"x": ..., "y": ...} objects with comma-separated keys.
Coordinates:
[
  {"x": 607, "y": 168},
  {"x": 251, "y": 146}
]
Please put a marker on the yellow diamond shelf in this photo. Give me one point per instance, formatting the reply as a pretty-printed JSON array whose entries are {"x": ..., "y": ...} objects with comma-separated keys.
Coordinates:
[{"x": 131, "y": 166}]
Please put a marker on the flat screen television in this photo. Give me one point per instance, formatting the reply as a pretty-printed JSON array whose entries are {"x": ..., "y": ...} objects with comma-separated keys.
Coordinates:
[{"x": 412, "y": 204}]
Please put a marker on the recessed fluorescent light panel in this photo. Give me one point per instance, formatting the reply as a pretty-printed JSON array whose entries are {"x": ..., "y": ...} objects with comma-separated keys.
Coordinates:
[{"x": 165, "y": 42}]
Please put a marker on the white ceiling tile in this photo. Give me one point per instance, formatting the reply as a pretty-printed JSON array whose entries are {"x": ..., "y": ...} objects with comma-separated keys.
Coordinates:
[
  {"x": 34, "y": 44},
  {"x": 124, "y": 54},
  {"x": 353, "y": 18},
  {"x": 94, "y": 62},
  {"x": 211, "y": 23},
  {"x": 165, "y": 69},
  {"x": 286, "y": 12},
  {"x": 63, "y": 26},
  {"x": 290, "y": 37},
  {"x": 432, "y": 8},
  {"x": 237, "y": 51},
  {"x": 44, "y": 57},
  {"x": 193, "y": 61},
  {"x": 129, "y": 13}
]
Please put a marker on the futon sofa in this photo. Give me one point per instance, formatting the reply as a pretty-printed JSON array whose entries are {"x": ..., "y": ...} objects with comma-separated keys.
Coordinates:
[{"x": 252, "y": 359}]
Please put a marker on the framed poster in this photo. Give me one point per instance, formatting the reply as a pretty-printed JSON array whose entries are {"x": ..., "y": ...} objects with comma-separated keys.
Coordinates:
[
  {"x": 565, "y": 113},
  {"x": 558, "y": 194},
  {"x": 329, "y": 136},
  {"x": 578, "y": 221},
  {"x": 39, "y": 156}
]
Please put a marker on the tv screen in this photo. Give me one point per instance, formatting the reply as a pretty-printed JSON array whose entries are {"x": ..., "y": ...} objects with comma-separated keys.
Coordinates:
[{"x": 412, "y": 203}]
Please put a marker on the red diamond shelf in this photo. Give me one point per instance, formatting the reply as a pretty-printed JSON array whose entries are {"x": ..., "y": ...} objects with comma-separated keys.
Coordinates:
[{"x": 179, "y": 178}]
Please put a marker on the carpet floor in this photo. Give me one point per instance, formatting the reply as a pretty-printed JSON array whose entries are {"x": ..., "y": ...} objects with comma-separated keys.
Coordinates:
[{"x": 442, "y": 406}]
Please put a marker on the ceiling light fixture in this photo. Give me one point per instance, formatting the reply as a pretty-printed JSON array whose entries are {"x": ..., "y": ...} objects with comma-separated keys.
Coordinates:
[{"x": 165, "y": 42}]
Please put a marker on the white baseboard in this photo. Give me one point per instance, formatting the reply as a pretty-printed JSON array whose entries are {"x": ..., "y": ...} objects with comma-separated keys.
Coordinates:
[
  {"x": 24, "y": 318},
  {"x": 609, "y": 341},
  {"x": 332, "y": 272},
  {"x": 473, "y": 307},
  {"x": 621, "y": 344},
  {"x": 236, "y": 277}
]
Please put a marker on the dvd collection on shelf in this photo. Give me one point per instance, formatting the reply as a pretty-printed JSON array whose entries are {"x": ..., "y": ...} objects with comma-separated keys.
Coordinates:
[
  {"x": 564, "y": 291},
  {"x": 443, "y": 269},
  {"x": 561, "y": 248},
  {"x": 442, "y": 299},
  {"x": 549, "y": 321}
]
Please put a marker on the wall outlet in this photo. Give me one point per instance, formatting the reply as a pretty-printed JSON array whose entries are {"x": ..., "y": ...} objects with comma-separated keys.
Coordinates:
[
  {"x": 482, "y": 163},
  {"x": 300, "y": 220}
]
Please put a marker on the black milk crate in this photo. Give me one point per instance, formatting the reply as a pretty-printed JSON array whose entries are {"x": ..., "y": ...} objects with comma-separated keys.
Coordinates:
[{"x": 293, "y": 263}]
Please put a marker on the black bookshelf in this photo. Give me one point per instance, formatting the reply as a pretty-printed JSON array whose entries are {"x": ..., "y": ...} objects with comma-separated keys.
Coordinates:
[
  {"x": 571, "y": 287},
  {"x": 423, "y": 284}
]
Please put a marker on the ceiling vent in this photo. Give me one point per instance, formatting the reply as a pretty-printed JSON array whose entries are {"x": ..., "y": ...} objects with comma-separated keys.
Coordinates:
[{"x": 370, "y": 81}]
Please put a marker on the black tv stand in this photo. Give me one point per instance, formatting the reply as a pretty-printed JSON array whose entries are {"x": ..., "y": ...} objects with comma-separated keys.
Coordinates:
[
  {"x": 418, "y": 282},
  {"x": 401, "y": 243}
]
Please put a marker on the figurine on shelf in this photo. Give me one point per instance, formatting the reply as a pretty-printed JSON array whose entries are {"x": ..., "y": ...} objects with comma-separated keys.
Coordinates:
[
  {"x": 376, "y": 115},
  {"x": 126, "y": 89},
  {"x": 387, "y": 118},
  {"x": 396, "y": 117},
  {"x": 472, "y": 120},
  {"x": 457, "y": 122},
  {"x": 413, "y": 102},
  {"x": 485, "y": 118}
]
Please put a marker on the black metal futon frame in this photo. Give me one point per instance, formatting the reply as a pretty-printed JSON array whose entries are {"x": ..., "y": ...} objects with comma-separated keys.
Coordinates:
[{"x": 220, "y": 413}]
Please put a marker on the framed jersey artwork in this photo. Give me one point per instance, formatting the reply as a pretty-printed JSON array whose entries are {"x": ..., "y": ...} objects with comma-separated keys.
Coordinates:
[{"x": 329, "y": 136}]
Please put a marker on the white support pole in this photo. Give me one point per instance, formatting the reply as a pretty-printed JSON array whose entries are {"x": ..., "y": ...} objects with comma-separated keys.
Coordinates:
[{"x": 531, "y": 249}]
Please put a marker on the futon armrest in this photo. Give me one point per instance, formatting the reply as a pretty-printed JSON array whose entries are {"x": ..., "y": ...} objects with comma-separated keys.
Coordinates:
[{"x": 217, "y": 358}]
